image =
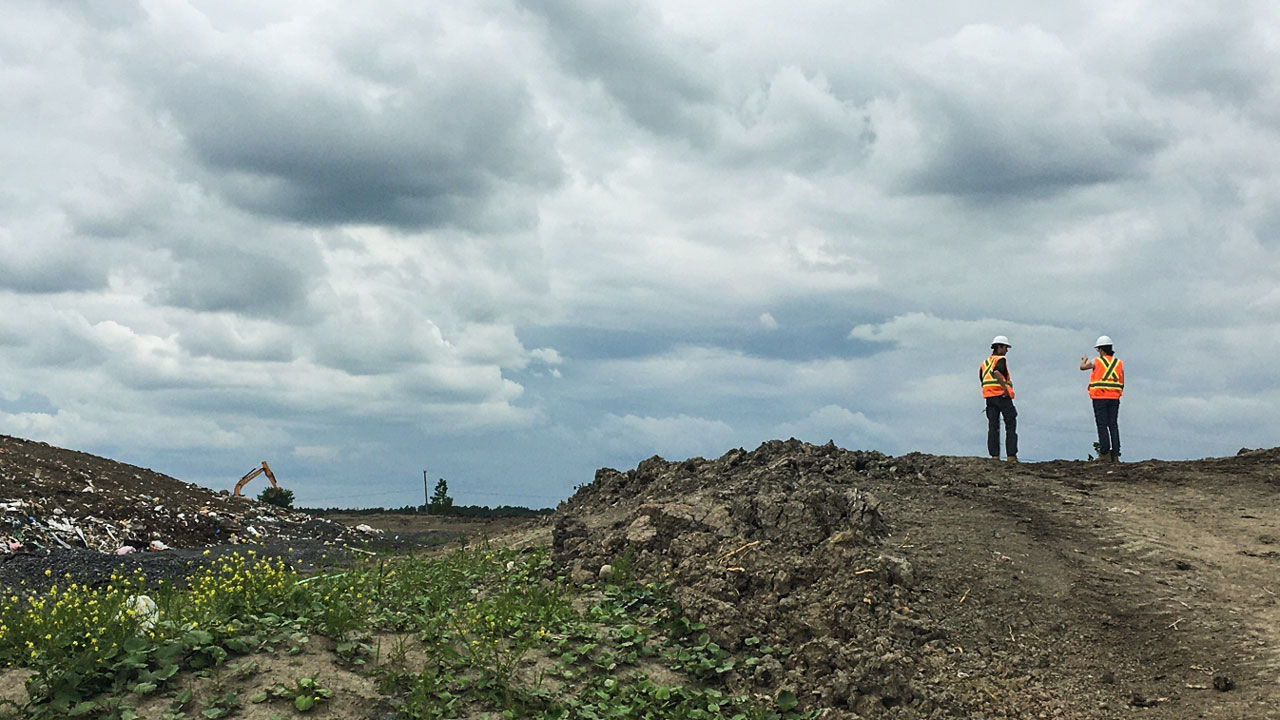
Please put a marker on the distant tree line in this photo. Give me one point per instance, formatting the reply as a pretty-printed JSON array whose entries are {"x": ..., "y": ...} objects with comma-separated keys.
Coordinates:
[
  {"x": 452, "y": 510},
  {"x": 440, "y": 503}
]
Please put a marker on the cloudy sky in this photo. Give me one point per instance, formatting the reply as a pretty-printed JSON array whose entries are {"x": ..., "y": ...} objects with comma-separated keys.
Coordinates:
[{"x": 511, "y": 242}]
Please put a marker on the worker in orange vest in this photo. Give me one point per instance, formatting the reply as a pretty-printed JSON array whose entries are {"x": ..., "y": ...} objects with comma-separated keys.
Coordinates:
[
  {"x": 997, "y": 388},
  {"x": 1106, "y": 385}
]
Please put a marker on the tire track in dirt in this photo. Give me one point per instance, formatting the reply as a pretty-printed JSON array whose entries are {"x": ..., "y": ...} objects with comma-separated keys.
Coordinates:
[
  {"x": 1213, "y": 542},
  {"x": 1194, "y": 539},
  {"x": 1148, "y": 584}
]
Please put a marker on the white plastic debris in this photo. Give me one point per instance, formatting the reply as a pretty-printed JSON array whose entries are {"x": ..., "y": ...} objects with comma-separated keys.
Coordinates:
[
  {"x": 367, "y": 529},
  {"x": 144, "y": 610},
  {"x": 124, "y": 549},
  {"x": 61, "y": 525},
  {"x": 157, "y": 545}
]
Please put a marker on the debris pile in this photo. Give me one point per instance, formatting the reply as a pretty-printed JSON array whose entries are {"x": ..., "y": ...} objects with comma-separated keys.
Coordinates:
[
  {"x": 782, "y": 544},
  {"x": 62, "y": 499}
]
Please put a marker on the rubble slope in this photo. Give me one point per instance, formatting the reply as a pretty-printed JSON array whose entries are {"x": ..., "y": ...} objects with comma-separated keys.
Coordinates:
[
  {"x": 51, "y": 497},
  {"x": 930, "y": 587}
]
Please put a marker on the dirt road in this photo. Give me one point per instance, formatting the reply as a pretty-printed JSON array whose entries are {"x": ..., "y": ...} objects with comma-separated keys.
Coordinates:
[
  {"x": 1177, "y": 565},
  {"x": 1143, "y": 585}
]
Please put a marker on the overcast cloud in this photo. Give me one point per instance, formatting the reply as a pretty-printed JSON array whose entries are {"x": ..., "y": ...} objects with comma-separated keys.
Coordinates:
[{"x": 508, "y": 242}]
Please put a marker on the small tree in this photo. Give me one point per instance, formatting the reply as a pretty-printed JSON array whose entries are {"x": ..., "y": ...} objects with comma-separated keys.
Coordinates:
[
  {"x": 278, "y": 496},
  {"x": 440, "y": 500}
]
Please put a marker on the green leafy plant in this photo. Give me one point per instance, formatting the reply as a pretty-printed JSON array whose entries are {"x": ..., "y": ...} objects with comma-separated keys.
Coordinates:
[
  {"x": 305, "y": 693},
  {"x": 495, "y": 632},
  {"x": 221, "y": 705}
]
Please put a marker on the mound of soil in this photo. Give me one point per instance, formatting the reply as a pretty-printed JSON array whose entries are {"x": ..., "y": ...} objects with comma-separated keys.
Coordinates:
[{"x": 933, "y": 587}]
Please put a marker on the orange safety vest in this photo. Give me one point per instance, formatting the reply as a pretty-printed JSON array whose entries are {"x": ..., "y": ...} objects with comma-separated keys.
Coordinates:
[
  {"x": 1107, "y": 379},
  {"x": 991, "y": 386}
]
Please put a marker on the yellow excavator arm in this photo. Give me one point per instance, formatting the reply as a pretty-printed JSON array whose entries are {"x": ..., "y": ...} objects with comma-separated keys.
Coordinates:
[{"x": 253, "y": 474}]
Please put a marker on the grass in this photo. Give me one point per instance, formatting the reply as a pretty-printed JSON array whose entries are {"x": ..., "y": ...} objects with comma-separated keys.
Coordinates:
[{"x": 487, "y": 630}]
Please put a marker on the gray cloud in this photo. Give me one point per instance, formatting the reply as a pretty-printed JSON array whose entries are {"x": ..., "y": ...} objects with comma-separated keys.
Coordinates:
[
  {"x": 107, "y": 16},
  {"x": 658, "y": 79},
  {"x": 445, "y": 139},
  {"x": 799, "y": 122},
  {"x": 229, "y": 279},
  {"x": 53, "y": 341},
  {"x": 43, "y": 272},
  {"x": 223, "y": 337},
  {"x": 1219, "y": 54},
  {"x": 997, "y": 112}
]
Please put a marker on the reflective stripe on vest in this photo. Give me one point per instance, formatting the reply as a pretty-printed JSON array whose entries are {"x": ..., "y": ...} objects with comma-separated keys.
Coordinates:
[
  {"x": 1107, "y": 378},
  {"x": 991, "y": 386}
]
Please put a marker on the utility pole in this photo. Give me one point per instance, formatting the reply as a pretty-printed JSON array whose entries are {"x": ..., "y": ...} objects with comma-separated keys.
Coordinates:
[{"x": 426, "y": 493}]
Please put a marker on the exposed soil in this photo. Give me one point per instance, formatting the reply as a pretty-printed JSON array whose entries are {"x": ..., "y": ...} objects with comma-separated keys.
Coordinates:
[
  {"x": 446, "y": 530},
  {"x": 930, "y": 587},
  {"x": 906, "y": 587}
]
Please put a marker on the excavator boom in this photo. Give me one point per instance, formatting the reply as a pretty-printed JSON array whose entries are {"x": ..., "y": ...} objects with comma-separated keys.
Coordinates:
[{"x": 265, "y": 469}]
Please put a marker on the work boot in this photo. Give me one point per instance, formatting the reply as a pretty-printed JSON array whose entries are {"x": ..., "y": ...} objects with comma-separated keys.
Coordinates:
[
  {"x": 995, "y": 457},
  {"x": 1113, "y": 458},
  {"x": 1013, "y": 459}
]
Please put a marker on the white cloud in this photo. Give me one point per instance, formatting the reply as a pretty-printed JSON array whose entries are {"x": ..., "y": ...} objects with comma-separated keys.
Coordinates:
[
  {"x": 323, "y": 453},
  {"x": 676, "y": 437},
  {"x": 546, "y": 356},
  {"x": 847, "y": 428}
]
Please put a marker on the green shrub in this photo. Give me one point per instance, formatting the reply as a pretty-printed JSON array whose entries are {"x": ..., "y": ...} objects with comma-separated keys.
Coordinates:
[{"x": 278, "y": 496}]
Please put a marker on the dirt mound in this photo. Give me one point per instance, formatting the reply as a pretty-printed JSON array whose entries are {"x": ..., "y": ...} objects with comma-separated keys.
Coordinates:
[
  {"x": 781, "y": 544},
  {"x": 62, "y": 499},
  {"x": 930, "y": 587}
]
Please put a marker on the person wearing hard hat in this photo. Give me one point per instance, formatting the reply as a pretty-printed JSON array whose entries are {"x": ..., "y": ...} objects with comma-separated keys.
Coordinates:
[
  {"x": 1106, "y": 385},
  {"x": 997, "y": 388}
]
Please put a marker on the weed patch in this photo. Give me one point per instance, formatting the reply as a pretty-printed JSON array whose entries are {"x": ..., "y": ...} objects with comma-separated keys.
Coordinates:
[{"x": 491, "y": 630}]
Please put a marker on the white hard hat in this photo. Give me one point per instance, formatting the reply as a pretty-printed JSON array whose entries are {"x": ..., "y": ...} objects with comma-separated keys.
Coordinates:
[
  {"x": 1103, "y": 340},
  {"x": 1000, "y": 340}
]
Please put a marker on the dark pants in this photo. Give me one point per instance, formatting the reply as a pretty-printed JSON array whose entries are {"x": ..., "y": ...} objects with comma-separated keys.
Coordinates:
[
  {"x": 1106, "y": 413},
  {"x": 997, "y": 406}
]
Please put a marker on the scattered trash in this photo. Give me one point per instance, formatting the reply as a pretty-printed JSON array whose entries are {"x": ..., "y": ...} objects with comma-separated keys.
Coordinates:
[
  {"x": 367, "y": 529},
  {"x": 56, "y": 498},
  {"x": 125, "y": 549},
  {"x": 144, "y": 610}
]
